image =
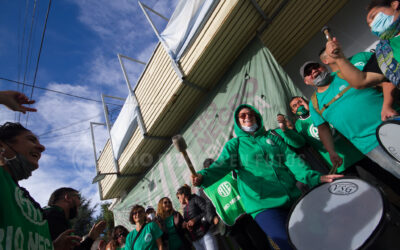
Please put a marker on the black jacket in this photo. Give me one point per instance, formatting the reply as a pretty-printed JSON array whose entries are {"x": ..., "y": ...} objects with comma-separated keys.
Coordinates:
[
  {"x": 202, "y": 212},
  {"x": 55, "y": 217}
]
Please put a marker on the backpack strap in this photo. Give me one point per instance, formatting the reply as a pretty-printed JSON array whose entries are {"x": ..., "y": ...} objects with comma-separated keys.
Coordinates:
[
  {"x": 314, "y": 100},
  {"x": 137, "y": 235}
]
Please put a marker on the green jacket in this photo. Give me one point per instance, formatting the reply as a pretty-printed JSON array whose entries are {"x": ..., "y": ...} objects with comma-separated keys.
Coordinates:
[{"x": 267, "y": 169}]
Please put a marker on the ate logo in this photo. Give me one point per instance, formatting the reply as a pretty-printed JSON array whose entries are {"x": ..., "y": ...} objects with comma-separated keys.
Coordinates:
[
  {"x": 30, "y": 212},
  {"x": 313, "y": 131},
  {"x": 148, "y": 237},
  {"x": 224, "y": 189}
]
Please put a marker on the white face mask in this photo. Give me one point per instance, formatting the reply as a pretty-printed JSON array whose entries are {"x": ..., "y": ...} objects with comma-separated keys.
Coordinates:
[
  {"x": 250, "y": 129},
  {"x": 151, "y": 216}
]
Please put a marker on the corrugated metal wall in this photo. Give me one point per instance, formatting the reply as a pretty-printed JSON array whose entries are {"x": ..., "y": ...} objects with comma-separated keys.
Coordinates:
[{"x": 167, "y": 104}]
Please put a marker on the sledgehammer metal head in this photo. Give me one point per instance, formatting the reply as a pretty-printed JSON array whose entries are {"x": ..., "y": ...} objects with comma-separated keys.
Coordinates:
[
  {"x": 326, "y": 30},
  {"x": 180, "y": 144}
]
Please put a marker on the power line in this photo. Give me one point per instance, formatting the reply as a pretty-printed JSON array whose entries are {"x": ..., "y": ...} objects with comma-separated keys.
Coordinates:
[
  {"x": 58, "y": 92},
  {"x": 72, "y": 124},
  {"x": 60, "y": 135},
  {"x": 40, "y": 52},
  {"x": 28, "y": 54}
]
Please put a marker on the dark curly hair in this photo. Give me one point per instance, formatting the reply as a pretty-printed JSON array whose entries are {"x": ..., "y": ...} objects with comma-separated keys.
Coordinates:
[
  {"x": 9, "y": 130},
  {"x": 185, "y": 189},
  {"x": 118, "y": 230},
  {"x": 134, "y": 209}
]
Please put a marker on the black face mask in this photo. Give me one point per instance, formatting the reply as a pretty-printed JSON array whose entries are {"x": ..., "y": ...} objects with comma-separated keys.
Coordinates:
[{"x": 19, "y": 166}]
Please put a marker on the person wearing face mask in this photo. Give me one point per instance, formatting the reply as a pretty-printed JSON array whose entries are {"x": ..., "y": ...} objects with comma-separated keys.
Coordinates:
[
  {"x": 62, "y": 207},
  {"x": 351, "y": 156},
  {"x": 355, "y": 113},
  {"x": 384, "y": 22},
  {"x": 150, "y": 213},
  {"x": 20, "y": 215},
  {"x": 267, "y": 171},
  {"x": 362, "y": 60}
]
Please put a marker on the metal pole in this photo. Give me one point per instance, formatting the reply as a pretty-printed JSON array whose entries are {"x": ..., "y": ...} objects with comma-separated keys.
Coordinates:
[
  {"x": 109, "y": 132},
  {"x": 175, "y": 66},
  {"x": 138, "y": 111},
  {"x": 94, "y": 144},
  {"x": 125, "y": 75},
  {"x": 131, "y": 59}
]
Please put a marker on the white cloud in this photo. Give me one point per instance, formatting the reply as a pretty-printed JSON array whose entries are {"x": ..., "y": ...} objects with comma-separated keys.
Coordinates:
[
  {"x": 68, "y": 159},
  {"x": 123, "y": 28}
]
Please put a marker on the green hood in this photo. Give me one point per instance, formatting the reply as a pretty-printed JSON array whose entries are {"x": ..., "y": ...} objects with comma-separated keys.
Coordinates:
[{"x": 238, "y": 130}]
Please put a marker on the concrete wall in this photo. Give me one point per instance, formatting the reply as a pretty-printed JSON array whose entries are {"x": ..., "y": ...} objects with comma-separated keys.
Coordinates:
[{"x": 350, "y": 28}]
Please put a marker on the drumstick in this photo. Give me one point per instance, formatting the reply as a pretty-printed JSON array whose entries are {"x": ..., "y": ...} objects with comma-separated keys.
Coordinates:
[
  {"x": 328, "y": 37},
  {"x": 180, "y": 144},
  {"x": 333, "y": 170}
]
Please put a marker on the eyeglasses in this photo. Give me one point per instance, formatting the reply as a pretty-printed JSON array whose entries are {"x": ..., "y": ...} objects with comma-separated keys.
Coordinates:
[
  {"x": 121, "y": 234},
  {"x": 310, "y": 67},
  {"x": 243, "y": 115},
  {"x": 166, "y": 202},
  {"x": 138, "y": 212}
]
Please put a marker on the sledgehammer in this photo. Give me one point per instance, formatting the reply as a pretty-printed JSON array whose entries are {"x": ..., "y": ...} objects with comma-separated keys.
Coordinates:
[
  {"x": 180, "y": 144},
  {"x": 326, "y": 30}
]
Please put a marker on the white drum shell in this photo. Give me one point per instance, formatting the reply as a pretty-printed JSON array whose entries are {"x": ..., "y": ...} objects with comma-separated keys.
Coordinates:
[
  {"x": 388, "y": 134},
  {"x": 338, "y": 215}
]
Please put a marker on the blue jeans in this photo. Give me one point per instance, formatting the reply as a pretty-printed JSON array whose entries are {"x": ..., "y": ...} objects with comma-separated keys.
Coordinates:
[
  {"x": 273, "y": 222},
  {"x": 207, "y": 242}
]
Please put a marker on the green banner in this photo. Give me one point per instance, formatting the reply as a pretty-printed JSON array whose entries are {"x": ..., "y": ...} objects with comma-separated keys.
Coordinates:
[
  {"x": 255, "y": 78},
  {"x": 225, "y": 196}
]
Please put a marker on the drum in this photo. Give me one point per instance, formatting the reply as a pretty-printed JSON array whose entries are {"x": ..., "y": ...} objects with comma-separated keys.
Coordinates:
[
  {"x": 348, "y": 213},
  {"x": 388, "y": 134}
]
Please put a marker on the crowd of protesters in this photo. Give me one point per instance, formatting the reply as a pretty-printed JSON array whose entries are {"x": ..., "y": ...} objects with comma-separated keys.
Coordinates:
[{"x": 260, "y": 167}]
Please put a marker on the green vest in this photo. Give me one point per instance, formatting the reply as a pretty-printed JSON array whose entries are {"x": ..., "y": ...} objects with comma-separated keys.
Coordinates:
[
  {"x": 21, "y": 224},
  {"x": 225, "y": 197}
]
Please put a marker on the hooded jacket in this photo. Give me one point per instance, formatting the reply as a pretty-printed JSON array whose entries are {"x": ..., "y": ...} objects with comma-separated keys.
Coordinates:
[{"x": 267, "y": 169}]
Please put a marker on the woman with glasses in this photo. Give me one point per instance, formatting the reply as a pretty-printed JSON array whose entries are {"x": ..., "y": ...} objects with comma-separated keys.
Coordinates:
[
  {"x": 145, "y": 236},
  {"x": 118, "y": 238},
  {"x": 171, "y": 223},
  {"x": 267, "y": 171}
]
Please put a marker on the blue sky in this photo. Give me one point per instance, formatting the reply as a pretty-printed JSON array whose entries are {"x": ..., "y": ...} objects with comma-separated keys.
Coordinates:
[{"x": 79, "y": 57}]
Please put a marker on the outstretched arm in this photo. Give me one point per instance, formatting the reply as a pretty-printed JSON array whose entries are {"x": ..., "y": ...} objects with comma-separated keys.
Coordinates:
[
  {"x": 14, "y": 100},
  {"x": 356, "y": 78}
]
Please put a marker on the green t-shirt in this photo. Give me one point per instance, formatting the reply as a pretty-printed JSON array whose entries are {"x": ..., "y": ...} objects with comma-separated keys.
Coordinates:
[
  {"x": 174, "y": 241},
  {"x": 225, "y": 197},
  {"x": 343, "y": 147},
  {"x": 356, "y": 115},
  {"x": 395, "y": 44},
  {"x": 21, "y": 224},
  {"x": 147, "y": 238}
]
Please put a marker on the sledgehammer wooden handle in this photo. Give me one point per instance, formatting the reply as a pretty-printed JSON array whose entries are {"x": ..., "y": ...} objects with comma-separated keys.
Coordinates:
[{"x": 180, "y": 144}]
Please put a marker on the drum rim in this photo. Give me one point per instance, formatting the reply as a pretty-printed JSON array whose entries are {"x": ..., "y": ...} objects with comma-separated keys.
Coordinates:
[
  {"x": 376, "y": 231},
  {"x": 379, "y": 140}
]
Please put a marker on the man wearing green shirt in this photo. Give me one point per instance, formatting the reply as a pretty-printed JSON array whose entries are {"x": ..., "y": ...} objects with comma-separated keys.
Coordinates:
[
  {"x": 355, "y": 113},
  {"x": 305, "y": 127}
]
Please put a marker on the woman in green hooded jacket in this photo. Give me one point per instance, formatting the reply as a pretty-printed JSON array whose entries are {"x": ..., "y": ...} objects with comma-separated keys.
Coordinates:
[{"x": 267, "y": 171}]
